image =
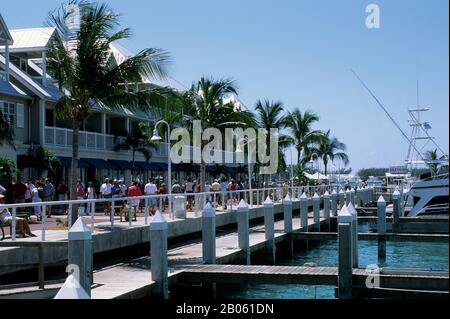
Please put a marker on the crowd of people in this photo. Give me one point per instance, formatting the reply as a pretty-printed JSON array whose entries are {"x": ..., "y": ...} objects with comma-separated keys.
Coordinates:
[{"x": 43, "y": 190}]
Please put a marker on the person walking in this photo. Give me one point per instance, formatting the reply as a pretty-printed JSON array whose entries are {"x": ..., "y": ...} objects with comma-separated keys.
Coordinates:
[
  {"x": 134, "y": 191},
  {"x": 151, "y": 189},
  {"x": 106, "y": 192},
  {"x": 49, "y": 193},
  {"x": 36, "y": 198},
  {"x": 189, "y": 189}
]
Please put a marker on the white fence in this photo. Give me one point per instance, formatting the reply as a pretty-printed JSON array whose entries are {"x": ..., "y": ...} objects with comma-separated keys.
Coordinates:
[{"x": 230, "y": 198}]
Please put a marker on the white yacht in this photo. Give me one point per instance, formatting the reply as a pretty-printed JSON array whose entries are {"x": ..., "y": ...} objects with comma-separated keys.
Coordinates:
[{"x": 428, "y": 197}]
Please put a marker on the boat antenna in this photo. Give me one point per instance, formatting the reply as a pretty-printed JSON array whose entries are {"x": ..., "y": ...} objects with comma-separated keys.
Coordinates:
[{"x": 387, "y": 113}]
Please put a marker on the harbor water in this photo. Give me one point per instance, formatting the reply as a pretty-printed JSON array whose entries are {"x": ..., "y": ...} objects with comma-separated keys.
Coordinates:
[{"x": 423, "y": 255}]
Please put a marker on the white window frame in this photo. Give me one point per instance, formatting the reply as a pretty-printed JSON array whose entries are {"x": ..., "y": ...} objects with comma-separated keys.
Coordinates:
[
  {"x": 7, "y": 111},
  {"x": 20, "y": 115}
]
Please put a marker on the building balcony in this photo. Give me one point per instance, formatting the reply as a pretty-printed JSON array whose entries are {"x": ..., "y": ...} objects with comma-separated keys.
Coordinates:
[{"x": 62, "y": 137}]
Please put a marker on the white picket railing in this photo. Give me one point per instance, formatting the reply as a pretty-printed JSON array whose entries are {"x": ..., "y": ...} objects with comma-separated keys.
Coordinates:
[{"x": 231, "y": 199}]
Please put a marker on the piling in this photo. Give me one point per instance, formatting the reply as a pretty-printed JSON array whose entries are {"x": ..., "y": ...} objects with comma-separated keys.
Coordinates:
[
  {"x": 396, "y": 210},
  {"x": 269, "y": 227},
  {"x": 316, "y": 211},
  {"x": 341, "y": 196},
  {"x": 344, "y": 254},
  {"x": 287, "y": 209},
  {"x": 209, "y": 234},
  {"x": 243, "y": 232},
  {"x": 352, "y": 196},
  {"x": 355, "y": 258},
  {"x": 304, "y": 212},
  {"x": 334, "y": 203},
  {"x": 381, "y": 227},
  {"x": 348, "y": 197},
  {"x": 326, "y": 208},
  {"x": 158, "y": 252},
  {"x": 80, "y": 253}
]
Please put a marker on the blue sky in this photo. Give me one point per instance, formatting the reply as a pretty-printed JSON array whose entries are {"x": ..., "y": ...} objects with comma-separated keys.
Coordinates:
[{"x": 302, "y": 52}]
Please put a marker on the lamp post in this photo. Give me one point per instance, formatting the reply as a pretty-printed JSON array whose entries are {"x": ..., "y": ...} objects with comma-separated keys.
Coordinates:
[{"x": 156, "y": 137}]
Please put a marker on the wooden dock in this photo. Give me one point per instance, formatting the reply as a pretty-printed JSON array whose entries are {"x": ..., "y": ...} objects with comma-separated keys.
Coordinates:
[{"x": 373, "y": 236}]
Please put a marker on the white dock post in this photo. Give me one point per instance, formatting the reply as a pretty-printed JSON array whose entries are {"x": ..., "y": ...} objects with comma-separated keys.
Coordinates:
[
  {"x": 326, "y": 208},
  {"x": 396, "y": 211},
  {"x": 158, "y": 252},
  {"x": 269, "y": 227},
  {"x": 80, "y": 252},
  {"x": 352, "y": 197},
  {"x": 243, "y": 231},
  {"x": 360, "y": 201},
  {"x": 71, "y": 289},
  {"x": 316, "y": 211},
  {"x": 287, "y": 209},
  {"x": 341, "y": 196},
  {"x": 43, "y": 222},
  {"x": 357, "y": 196},
  {"x": 304, "y": 212},
  {"x": 334, "y": 203},
  {"x": 345, "y": 270},
  {"x": 348, "y": 197},
  {"x": 355, "y": 257},
  {"x": 209, "y": 234},
  {"x": 69, "y": 216},
  {"x": 381, "y": 227}
]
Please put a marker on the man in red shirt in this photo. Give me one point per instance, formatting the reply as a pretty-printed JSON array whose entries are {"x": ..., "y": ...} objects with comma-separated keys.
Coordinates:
[
  {"x": 19, "y": 191},
  {"x": 135, "y": 190}
]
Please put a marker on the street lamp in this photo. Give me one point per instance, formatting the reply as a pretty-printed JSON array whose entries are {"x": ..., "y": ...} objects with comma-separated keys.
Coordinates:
[{"x": 155, "y": 138}]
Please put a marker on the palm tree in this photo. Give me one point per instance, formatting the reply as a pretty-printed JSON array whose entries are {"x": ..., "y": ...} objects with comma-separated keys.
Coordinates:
[
  {"x": 136, "y": 142},
  {"x": 331, "y": 148},
  {"x": 86, "y": 72},
  {"x": 6, "y": 131},
  {"x": 45, "y": 161},
  {"x": 205, "y": 102},
  {"x": 433, "y": 156},
  {"x": 270, "y": 115},
  {"x": 300, "y": 125}
]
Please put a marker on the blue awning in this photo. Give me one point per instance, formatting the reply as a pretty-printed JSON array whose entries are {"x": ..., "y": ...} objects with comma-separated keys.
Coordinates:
[
  {"x": 67, "y": 162},
  {"x": 161, "y": 166},
  {"x": 146, "y": 166},
  {"x": 121, "y": 164},
  {"x": 98, "y": 163}
]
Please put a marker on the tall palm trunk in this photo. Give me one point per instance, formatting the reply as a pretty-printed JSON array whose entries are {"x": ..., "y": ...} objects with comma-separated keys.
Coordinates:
[{"x": 74, "y": 169}]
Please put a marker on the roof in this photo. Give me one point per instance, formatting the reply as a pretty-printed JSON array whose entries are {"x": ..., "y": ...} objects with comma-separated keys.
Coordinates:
[
  {"x": 29, "y": 83},
  {"x": 32, "y": 39},
  {"x": 121, "y": 54},
  {"x": 5, "y": 35},
  {"x": 232, "y": 98},
  {"x": 8, "y": 88}
]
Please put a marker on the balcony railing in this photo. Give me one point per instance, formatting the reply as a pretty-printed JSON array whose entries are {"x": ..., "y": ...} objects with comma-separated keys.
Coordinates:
[{"x": 55, "y": 136}]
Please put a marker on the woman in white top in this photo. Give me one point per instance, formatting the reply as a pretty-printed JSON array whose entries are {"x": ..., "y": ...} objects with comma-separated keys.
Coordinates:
[
  {"x": 6, "y": 219},
  {"x": 90, "y": 194},
  {"x": 36, "y": 199}
]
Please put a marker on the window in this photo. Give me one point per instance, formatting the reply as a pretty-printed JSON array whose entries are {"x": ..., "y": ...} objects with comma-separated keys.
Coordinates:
[
  {"x": 8, "y": 109},
  {"x": 49, "y": 117}
]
